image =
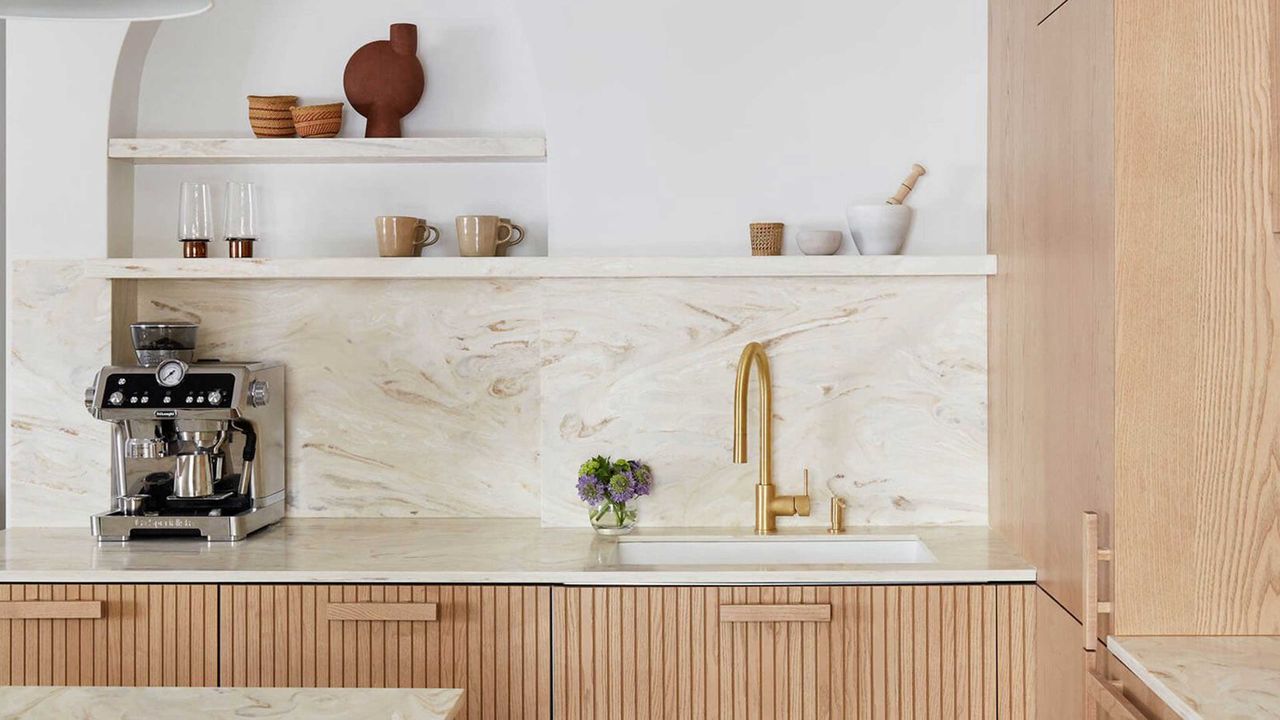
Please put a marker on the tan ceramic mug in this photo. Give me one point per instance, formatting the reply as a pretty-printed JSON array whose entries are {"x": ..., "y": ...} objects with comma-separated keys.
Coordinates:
[
  {"x": 402, "y": 236},
  {"x": 486, "y": 235}
]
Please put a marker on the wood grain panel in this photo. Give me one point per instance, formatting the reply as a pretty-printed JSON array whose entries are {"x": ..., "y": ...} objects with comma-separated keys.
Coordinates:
[
  {"x": 1051, "y": 314},
  {"x": 492, "y": 641},
  {"x": 104, "y": 635},
  {"x": 1197, "y": 322},
  {"x": 676, "y": 657}
]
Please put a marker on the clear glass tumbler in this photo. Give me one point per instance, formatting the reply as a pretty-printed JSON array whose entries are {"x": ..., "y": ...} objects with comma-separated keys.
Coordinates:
[
  {"x": 195, "y": 227},
  {"x": 240, "y": 222}
]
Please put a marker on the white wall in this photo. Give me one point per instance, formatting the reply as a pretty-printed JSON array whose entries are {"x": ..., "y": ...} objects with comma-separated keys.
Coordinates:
[
  {"x": 673, "y": 124},
  {"x": 59, "y": 78},
  {"x": 479, "y": 81}
]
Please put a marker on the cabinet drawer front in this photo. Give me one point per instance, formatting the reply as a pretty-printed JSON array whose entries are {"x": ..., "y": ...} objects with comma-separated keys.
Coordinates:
[
  {"x": 846, "y": 652},
  {"x": 133, "y": 635},
  {"x": 492, "y": 642}
]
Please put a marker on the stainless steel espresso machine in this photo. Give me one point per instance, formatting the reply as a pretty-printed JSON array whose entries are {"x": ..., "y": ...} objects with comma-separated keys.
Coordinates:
[{"x": 197, "y": 446}]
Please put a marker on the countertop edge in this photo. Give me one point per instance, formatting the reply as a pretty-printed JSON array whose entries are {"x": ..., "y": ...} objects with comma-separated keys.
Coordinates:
[
  {"x": 1175, "y": 702},
  {"x": 578, "y": 578}
]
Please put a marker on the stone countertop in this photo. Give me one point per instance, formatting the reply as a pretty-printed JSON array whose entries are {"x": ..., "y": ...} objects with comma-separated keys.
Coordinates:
[
  {"x": 1207, "y": 678},
  {"x": 467, "y": 552},
  {"x": 105, "y": 703}
]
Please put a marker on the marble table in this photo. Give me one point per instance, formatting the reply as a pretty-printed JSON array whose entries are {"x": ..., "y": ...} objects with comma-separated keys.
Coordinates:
[
  {"x": 1207, "y": 678},
  {"x": 121, "y": 703}
]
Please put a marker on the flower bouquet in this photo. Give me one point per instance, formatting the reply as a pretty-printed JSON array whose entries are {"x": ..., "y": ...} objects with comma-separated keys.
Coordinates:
[{"x": 609, "y": 486}]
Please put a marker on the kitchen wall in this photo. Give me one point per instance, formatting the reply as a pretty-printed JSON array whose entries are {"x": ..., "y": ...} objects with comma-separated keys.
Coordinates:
[
  {"x": 666, "y": 134},
  {"x": 465, "y": 398}
]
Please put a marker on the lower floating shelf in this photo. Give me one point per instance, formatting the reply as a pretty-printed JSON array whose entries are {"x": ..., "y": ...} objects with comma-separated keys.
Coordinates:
[{"x": 542, "y": 267}]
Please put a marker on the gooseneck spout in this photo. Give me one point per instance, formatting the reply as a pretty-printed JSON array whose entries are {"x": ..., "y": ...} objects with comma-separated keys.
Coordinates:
[
  {"x": 769, "y": 505},
  {"x": 753, "y": 355}
]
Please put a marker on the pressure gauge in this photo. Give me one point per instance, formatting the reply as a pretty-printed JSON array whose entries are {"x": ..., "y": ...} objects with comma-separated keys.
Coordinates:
[{"x": 171, "y": 372}]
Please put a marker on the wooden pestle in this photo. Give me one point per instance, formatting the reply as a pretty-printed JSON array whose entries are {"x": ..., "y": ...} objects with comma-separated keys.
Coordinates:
[{"x": 907, "y": 185}]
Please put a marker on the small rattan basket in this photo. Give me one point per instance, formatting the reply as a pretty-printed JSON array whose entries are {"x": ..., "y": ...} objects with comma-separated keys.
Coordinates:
[
  {"x": 766, "y": 238},
  {"x": 319, "y": 121},
  {"x": 269, "y": 115}
]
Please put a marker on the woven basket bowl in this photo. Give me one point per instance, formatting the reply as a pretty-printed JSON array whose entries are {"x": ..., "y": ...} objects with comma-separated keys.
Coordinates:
[
  {"x": 766, "y": 238},
  {"x": 269, "y": 115},
  {"x": 320, "y": 121}
]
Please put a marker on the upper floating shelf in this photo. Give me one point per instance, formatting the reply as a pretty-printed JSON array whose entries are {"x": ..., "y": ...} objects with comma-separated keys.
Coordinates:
[
  {"x": 133, "y": 10},
  {"x": 351, "y": 150},
  {"x": 541, "y": 267}
]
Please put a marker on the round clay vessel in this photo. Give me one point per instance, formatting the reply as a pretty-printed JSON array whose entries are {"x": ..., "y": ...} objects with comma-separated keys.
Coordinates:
[{"x": 384, "y": 80}]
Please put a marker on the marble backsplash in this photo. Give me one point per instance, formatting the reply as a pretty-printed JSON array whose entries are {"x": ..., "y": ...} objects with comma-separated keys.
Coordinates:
[{"x": 480, "y": 397}]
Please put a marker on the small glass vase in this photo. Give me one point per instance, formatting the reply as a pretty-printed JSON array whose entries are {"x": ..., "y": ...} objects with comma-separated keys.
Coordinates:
[{"x": 612, "y": 519}]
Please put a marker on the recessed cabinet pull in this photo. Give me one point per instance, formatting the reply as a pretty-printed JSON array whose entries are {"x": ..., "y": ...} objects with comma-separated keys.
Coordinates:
[
  {"x": 775, "y": 613},
  {"x": 1111, "y": 700},
  {"x": 391, "y": 612},
  {"x": 51, "y": 610}
]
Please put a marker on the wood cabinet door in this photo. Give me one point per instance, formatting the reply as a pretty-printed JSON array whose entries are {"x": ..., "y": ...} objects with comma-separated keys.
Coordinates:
[
  {"x": 1058, "y": 661},
  {"x": 791, "y": 652},
  {"x": 492, "y": 641},
  {"x": 134, "y": 635}
]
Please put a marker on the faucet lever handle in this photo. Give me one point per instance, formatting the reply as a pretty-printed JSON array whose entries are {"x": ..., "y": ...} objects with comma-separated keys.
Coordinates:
[{"x": 801, "y": 503}]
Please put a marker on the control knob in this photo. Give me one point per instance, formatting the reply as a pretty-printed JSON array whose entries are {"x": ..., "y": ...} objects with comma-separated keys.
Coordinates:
[
  {"x": 215, "y": 397},
  {"x": 259, "y": 393},
  {"x": 116, "y": 398}
]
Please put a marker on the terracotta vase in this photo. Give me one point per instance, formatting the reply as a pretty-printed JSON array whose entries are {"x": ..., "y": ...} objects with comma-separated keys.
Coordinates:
[{"x": 384, "y": 81}]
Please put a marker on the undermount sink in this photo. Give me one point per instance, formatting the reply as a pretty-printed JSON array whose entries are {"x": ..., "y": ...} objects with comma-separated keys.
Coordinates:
[{"x": 861, "y": 550}]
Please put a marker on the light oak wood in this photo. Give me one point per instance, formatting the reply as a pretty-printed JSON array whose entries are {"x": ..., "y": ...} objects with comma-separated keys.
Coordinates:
[
  {"x": 377, "y": 611},
  {"x": 1058, "y": 662},
  {"x": 1198, "y": 346},
  {"x": 52, "y": 609},
  {"x": 492, "y": 641},
  {"x": 1051, "y": 327},
  {"x": 1132, "y": 337},
  {"x": 880, "y": 652},
  {"x": 775, "y": 613},
  {"x": 107, "y": 635},
  {"x": 1111, "y": 702}
]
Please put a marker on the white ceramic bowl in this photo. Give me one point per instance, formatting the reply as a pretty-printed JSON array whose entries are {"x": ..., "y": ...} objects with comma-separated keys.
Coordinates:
[
  {"x": 879, "y": 229},
  {"x": 819, "y": 242}
]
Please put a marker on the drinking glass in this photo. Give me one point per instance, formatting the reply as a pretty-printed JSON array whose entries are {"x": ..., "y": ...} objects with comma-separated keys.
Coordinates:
[
  {"x": 194, "y": 224},
  {"x": 240, "y": 223}
]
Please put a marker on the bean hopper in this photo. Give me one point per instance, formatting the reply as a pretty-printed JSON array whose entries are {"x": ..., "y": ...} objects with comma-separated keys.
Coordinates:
[{"x": 197, "y": 446}]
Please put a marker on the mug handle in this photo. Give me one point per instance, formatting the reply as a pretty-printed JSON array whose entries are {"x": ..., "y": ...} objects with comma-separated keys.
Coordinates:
[
  {"x": 430, "y": 235},
  {"x": 512, "y": 229}
]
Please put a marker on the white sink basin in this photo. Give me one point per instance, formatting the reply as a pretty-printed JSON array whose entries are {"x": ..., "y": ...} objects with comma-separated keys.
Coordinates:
[{"x": 860, "y": 550}]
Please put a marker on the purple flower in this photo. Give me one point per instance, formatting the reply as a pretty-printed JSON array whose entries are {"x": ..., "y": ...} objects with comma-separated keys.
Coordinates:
[
  {"x": 643, "y": 478},
  {"x": 622, "y": 486},
  {"x": 591, "y": 490}
]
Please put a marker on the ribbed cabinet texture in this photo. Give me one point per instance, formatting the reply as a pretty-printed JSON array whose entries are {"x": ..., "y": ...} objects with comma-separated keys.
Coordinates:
[
  {"x": 147, "y": 635},
  {"x": 492, "y": 641},
  {"x": 946, "y": 652}
]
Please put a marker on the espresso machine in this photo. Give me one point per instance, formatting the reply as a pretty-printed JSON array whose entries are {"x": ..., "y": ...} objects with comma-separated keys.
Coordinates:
[{"x": 197, "y": 447}]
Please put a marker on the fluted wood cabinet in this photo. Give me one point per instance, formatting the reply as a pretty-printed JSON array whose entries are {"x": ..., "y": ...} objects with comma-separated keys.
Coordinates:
[
  {"x": 951, "y": 651},
  {"x": 492, "y": 641},
  {"x": 133, "y": 635}
]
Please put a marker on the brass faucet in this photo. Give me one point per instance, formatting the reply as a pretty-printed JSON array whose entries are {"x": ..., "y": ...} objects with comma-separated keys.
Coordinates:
[{"x": 769, "y": 505}]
